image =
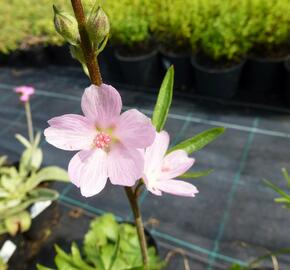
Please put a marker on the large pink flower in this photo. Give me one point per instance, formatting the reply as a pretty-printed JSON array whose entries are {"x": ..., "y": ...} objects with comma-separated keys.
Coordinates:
[
  {"x": 161, "y": 169},
  {"x": 108, "y": 141}
]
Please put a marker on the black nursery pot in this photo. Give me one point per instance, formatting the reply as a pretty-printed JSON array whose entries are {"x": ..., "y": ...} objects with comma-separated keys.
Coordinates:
[
  {"x": 264, "y": 75},
  {"x": 183, "y": 72},
  {"x": 287, "y": 89},
  {"x": 109, "y": 65},
  {"x": 144, "y": 70},
  {"x": 214, "y": 82},
  {"x": 60, "y": 55},
  {"x": 35, "y": 56}
]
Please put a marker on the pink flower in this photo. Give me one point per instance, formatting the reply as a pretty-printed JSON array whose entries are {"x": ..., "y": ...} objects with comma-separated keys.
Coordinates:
[
  {"x": 108, "y": 141},
  {"x": 161, "y": 169},
  {"x": 25, "y": 92}
]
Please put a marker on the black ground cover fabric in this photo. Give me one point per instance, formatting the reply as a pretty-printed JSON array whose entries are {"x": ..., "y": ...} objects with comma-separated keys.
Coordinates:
[{"x": 232, "y": 220}]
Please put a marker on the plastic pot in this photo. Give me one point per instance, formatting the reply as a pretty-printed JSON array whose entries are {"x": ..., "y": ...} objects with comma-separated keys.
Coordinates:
[
  {"x": 221, "y": 83},
  {"x": 144, "y": 70},
  {"x": 287, "y": 67},
  {"x": 183, "y": 72},
  {"x": 264, "y": 75},
  {"x": 109, "y": 66},
  {"x": 60, "y": 55},
  {"x": 35, "y": 56}
]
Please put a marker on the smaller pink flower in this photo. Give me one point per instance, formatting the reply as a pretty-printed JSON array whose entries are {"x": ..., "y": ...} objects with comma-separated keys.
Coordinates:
[
  {"x": 25, "y": 92},
  {"x": 161, "y": 169}
]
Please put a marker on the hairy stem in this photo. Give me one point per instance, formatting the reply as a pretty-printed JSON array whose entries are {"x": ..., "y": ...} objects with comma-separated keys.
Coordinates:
[
  {"x": 89, "y": 54},
  {"x": 29, "y": 121},
  {"x": 133, "y": 199}
]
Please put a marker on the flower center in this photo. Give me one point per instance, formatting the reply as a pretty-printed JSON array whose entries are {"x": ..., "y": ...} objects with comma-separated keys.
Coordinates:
[{"x": 102, "y": 140}]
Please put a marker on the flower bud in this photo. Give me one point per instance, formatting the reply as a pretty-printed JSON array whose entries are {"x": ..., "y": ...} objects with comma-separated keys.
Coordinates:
[
  {"x": 67, "y": 26},
  {"x": 98, "y": 27}
]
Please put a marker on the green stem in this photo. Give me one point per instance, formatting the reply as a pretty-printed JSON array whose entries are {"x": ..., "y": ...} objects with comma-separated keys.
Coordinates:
[
  {"x": 90, "y": 55},
  {"x": 29, "y": 122},
  {"x": 133, "y": 199}
]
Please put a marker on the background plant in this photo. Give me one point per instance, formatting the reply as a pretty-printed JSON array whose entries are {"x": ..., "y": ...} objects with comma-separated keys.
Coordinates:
[
  {"x": 269, "y": 23},
  {"x": 108, "y": 245},
  {"x": 20, "y": 186},
  {"x": 227, "y": 32},
  {"x": 171, "y": 23},
  {"x": 129, "y": 22}
]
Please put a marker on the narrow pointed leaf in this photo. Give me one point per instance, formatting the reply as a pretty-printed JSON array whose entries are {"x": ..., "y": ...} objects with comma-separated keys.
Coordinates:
[
  {"x": 23, "y": 140},
  {"x": 164, "y": 100},
  {"x": 199, "y": 141},
  {"x": 278, "y": 190},
  {"x": 193, "y": 175}
]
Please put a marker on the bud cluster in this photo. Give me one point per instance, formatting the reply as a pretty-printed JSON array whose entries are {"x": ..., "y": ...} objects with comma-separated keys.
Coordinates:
[{"x": 97, "y": 26}]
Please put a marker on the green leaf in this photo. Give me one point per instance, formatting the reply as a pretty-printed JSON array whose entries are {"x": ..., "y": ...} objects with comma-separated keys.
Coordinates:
[
  {"x": 3, "y": 160},
  {"x": 23, "y": 140},
  {"x": 115, "y": 254},
  {"x": 199, "y": 141},
  {"x": 164, "y": 100},
  {"x": 37, "y": 139},
  {"x": 36, "y": 195},
  {"x": 19, "y": 222},
  {"x": 278, "y": 190},
  {"x": 3, "y": 265},
  {"x": 31, "y": 159},
  {"x": 43, "y": 194},
  {"x": 193, "y": 175},
  {"x": 51, "y": 173},
  {"x": 286, "y": 176},
  {"x": 41, "y": 267}
]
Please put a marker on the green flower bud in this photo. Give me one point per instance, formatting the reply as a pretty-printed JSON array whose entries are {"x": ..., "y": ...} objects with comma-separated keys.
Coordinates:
[
  {"x": 98, "y": 27},
  {"x": 67, "y": 26}
]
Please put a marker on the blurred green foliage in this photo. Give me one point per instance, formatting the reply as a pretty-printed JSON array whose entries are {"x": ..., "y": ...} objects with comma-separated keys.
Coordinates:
[
  {"x": 220, "y": 28},
  {"x": 129, "y": 20},
  {"x": 269, "y": 22},
  {"x": 108, "y": 245},
  {"x": 27, "y": 22},
  {"x": 171, "y": 23},
  {"x": 226, "y": 35}
]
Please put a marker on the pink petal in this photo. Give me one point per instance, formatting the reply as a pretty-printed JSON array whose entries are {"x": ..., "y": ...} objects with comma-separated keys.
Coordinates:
[
  {"x": 177, "y": 187},
  {"x": 175, "y": 164},
  {"x": 125, "y": 165},
  {"x": 154, "y": 154},
  {"x": 24, "y": 98},
  {"x": 25, "y": 90},
  {"x": 134, "y": 129},
  {"x": 151, "y": 189},
  {"x": 70, "y": 132},
  {"x": 88, "y": 170},
  {"x": 101, "y": 104}
]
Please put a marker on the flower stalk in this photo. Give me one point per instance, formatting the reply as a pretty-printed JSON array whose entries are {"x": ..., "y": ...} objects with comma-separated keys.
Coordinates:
[
  {"x": 133, "y": 199},
  {"x": 95, "y": 76},
  {"x": 29, "y": 121},
  {"x": 88, "y": 51}
]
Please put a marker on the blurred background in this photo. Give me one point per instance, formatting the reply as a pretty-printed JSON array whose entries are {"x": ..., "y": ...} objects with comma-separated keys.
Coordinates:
[{"x": 232, "y": 69}]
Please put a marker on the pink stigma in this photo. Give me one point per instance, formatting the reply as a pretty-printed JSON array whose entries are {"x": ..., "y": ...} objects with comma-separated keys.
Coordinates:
[{"x": 102, "y": 140}]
